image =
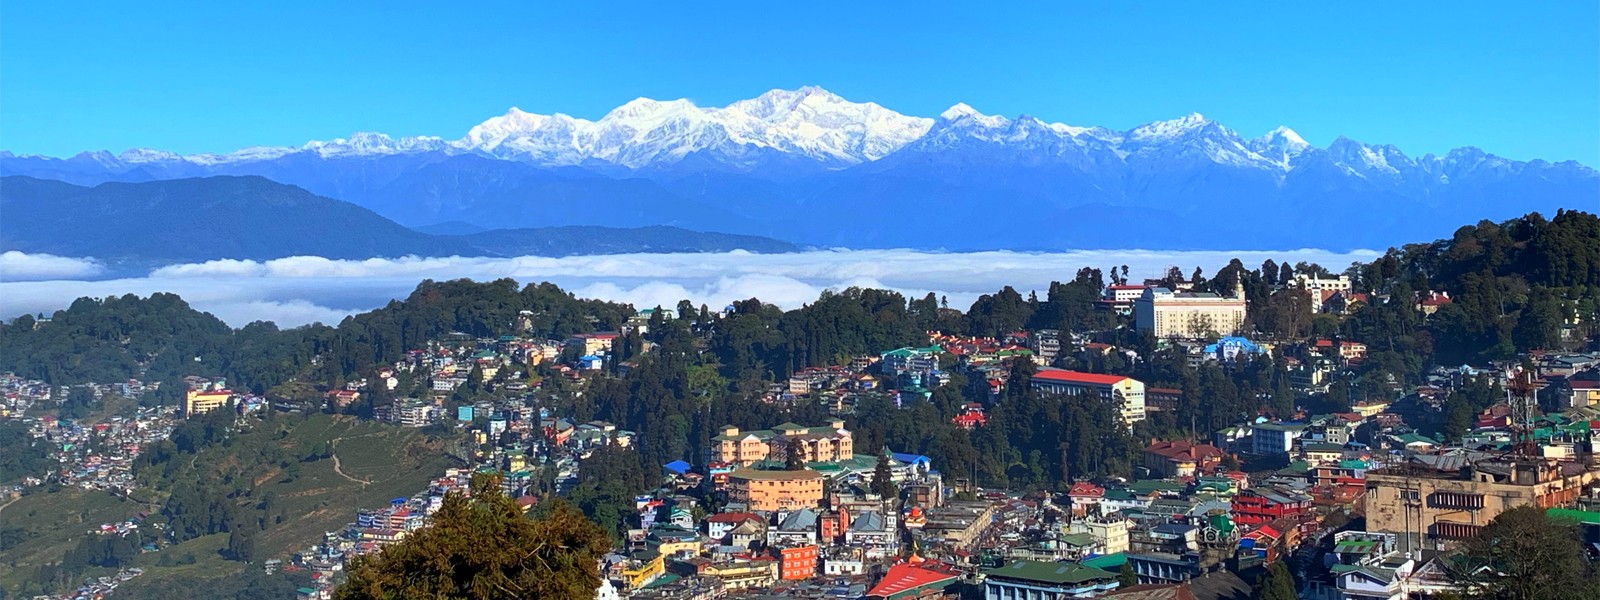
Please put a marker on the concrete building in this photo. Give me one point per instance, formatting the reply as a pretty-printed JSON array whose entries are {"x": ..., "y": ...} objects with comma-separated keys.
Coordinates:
[
  {"x": 1181, "y": 459},
  {"x": 1441, "y": 499},
  {"x": 1269, "y": 438},
  {"x": 775, "y": 490},
  {"x": 829, "y": 443},
  {"x": 1170, "y": 314},
  {"x": 1036, "y": 580},
  {"x": 207, "y": 399},
  {"x": 1315, "y": 284},
  {"x": 1126, "y": 393}
]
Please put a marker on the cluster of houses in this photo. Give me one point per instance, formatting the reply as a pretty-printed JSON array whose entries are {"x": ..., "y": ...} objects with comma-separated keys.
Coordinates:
[{"x": 100, "y": 455}]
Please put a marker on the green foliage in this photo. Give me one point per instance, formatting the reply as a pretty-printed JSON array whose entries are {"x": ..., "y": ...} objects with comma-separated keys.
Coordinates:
[
  {"x": 484, "y": 548},
  {"x": 1126, "y": 577},
  {"x": 24, "y": 455},
  {"x": 1523, "y": 554},
  {"x": 1278, "y": 584},
  {"x": 882, "y": 478},
  {"x": 1041, "y": 440},
  {"x": 607, "y": 482}
]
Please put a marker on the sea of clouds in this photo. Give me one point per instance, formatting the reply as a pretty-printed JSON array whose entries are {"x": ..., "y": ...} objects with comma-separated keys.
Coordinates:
[{"x": 306, "y": 289}]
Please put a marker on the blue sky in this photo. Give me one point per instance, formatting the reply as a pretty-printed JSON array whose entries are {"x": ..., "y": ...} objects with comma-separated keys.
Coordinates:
[{"x": 1517, "y": 79}]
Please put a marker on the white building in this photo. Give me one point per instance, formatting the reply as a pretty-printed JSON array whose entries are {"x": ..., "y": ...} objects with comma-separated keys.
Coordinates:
[
  {"x": 1189, "y": 315},
  {"x": 1317, "y": 284},
  {"x": 1126, "y": 393}
]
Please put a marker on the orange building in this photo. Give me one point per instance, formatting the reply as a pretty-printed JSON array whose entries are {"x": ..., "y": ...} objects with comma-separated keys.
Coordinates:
[
  {"x": 796, "y": 562},
  {"x": 775, "y": 490}
]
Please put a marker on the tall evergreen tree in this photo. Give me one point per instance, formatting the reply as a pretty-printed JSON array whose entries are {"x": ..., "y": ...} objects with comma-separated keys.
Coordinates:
[{"x": 484, "y": 548}]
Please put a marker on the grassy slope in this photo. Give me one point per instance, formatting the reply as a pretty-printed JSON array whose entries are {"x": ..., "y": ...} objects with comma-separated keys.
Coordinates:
[{"x": 396, "y": 462}]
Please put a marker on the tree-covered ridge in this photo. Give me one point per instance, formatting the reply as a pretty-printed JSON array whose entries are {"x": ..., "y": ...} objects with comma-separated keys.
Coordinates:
[{"x": 162, "y": 338}]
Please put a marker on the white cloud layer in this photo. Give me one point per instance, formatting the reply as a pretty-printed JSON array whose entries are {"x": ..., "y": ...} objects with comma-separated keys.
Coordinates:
[
  {"x": 303, "y": 289},
  {"x": 20, "y": 266}
]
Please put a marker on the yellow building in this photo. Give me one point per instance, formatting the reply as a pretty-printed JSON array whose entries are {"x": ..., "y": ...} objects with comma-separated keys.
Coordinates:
[
  {"x": 643, "y": 569},
  {"x": 829, "y": 443},
  {"x": 775, "y": 490},
  {"x": 198, "y": 402}
]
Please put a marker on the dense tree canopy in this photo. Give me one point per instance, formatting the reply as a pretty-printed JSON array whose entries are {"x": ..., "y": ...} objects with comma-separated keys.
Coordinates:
[{"x": 484, "y": 548}]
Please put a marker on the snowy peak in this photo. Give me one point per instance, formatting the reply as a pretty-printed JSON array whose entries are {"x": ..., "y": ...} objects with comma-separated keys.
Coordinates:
[
  {"x": 813, "y": 128},
  {"x": 1280, "y": 146},
  {"x": 1167, "y": 130},
  {"x": 366, "y": 143}
]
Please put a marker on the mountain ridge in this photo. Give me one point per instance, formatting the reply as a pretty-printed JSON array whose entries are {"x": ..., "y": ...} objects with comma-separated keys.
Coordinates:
[
  {"x": 809, "y": 166},
  {"x": 154, "y": 223}
]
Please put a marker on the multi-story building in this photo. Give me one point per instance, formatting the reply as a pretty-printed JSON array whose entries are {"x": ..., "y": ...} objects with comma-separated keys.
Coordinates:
[
  {"x": 1440, "y": 499},
  {"x": 1120, "y": 297},
  {"x": 1181, "y": 459},
  {"x": 1316, "y": 284},
  {"x": 910, "y": 360},
  {"x": 1270, "y": 438},
  {"x": 203, "y": 400},
  {"x": 796, "y": 562},
  {"x": 1033, "y": 580},
  {"x": 829, "y": 443},
  {"x": 1110, "y": 533},
  {"x": 594, "y": 343},
  {"x": 775, "y": 490},
  {"x": 1126, "y": 393},
  {"x": 1254, "y": 507},
  {"x": 1170, "y": 314}
]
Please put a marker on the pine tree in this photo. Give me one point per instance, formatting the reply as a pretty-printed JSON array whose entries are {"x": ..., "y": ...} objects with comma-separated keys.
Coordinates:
[
  {"x": 1126, "y": 576},
  {"x": 485, "y": 548},
  {"x": 795, "y": 455},
  {"x": 883, "y": 478},
  {"x": 1277, "y": 585}
]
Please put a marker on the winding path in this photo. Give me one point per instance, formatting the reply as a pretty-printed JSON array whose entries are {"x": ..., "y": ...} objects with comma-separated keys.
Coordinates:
[
  {"x": 334, "y": 449},
  {"x": 13, "y": 501}
]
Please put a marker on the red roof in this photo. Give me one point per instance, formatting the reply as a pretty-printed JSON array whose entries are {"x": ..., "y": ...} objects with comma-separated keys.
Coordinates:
[
  {"x": 1086, "y": 489},
  {"x": 1065, "y": 376},
  {"x": 1181, "y": 450},
  {"x": 906, "y": 577},
  {"x": 1125, "y": 287}
]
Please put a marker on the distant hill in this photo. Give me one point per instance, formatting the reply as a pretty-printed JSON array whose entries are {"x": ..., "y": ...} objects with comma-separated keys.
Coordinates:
[
  {"x": 184, "y": 220},
  {"x": 251, "y": 217}
]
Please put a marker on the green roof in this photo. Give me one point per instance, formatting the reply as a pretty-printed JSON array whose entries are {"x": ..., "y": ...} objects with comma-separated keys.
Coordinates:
[
  {"x": 1412, "y": 438},
  {"x": 1049, "y": 572},
  {"x": 1298, "y": 467},
  {"x": 1581, "y": 516},
  {"x": 1078, "y": 539},
  {"x": 1356, "y": 546},
  {"x": 1151, "y": 485},
  {"x": 1107, "y": 562},
  {"x": 664, "y": 579}
]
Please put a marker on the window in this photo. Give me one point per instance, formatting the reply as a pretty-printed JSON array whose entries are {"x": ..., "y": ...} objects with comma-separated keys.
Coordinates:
[
  {"x": 1409, "y": 495},
  {"x": 1455, "y": 500}
]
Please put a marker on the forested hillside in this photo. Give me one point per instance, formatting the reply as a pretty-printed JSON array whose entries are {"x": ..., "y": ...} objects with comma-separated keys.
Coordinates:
[{"x": 1526, "y": 284}]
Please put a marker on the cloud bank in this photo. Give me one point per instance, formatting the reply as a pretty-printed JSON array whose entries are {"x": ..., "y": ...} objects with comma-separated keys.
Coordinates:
[
  {"x": 20, "y": 266},
  {"x": 304, "y": 289}
]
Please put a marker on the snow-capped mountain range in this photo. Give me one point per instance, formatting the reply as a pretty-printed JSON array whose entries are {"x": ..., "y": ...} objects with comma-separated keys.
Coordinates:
[{"x": 811, "y": 166}]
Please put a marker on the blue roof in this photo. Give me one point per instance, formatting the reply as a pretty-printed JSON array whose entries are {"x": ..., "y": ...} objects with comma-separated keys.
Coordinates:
[
  {"x": 678, "y": 467},
  {"x": 912, "y": 458}
]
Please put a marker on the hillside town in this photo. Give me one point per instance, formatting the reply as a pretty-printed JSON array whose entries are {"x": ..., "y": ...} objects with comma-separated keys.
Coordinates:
[
  {"x": 1205, "y": 515},
  {"x": 1367, "y": 501}
]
